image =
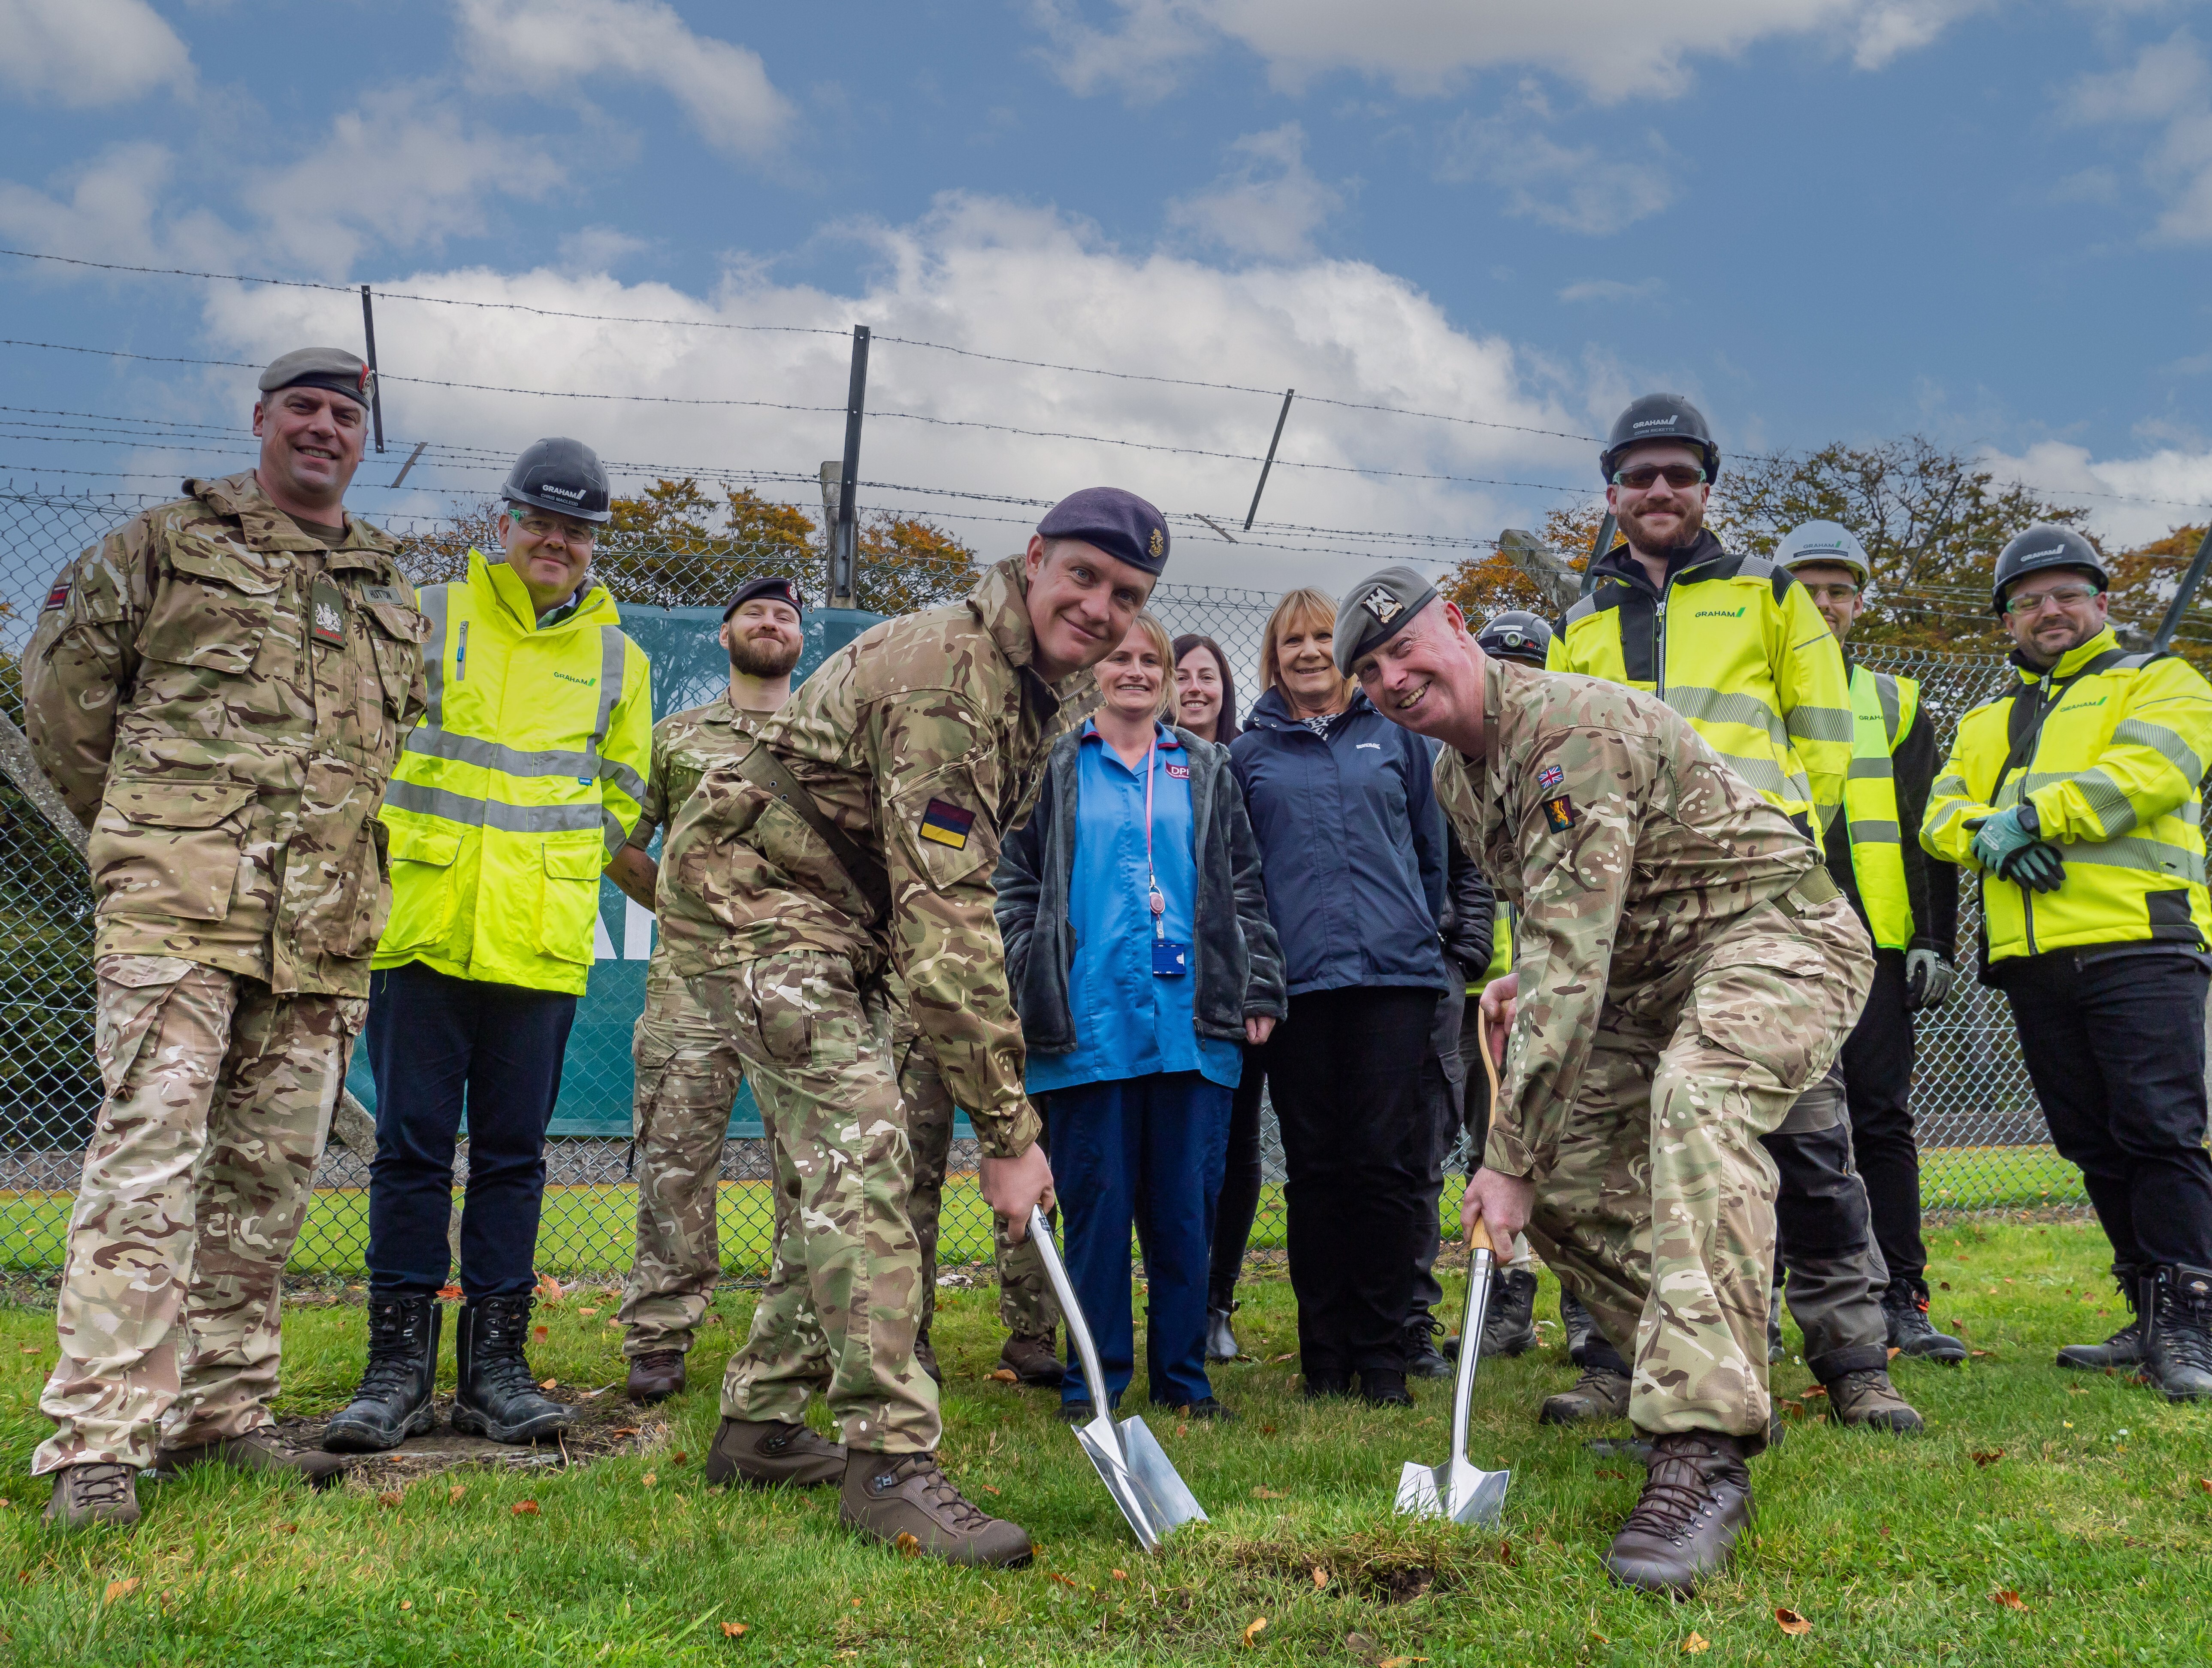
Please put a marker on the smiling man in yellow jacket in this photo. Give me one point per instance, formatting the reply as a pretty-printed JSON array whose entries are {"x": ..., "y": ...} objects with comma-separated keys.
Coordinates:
[{"x": 519, "y": 785}]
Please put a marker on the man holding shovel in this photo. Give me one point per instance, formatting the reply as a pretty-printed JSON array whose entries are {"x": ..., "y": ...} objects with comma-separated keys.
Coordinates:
[{"x": 1690, "y": 969}]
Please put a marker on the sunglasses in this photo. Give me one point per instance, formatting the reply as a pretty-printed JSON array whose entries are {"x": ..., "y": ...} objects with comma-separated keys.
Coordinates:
[
  {"x": 1679, "y": 475},
  {"x": 2066, "y": 596}
]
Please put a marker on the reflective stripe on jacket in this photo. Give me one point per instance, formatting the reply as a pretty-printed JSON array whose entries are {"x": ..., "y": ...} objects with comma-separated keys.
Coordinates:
[
  {"x": 1882, "y": 710},
  {"x": 1736, "y": 647},
  {"x": 2110, "y": 748},
  {"x": 524, "y": 777}
]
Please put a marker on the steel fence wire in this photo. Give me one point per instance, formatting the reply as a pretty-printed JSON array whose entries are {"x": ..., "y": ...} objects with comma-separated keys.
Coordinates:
[{"x": 1983, "y": 1143}]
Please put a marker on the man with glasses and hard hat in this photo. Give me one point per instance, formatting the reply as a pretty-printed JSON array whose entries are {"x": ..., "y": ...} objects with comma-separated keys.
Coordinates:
[
  {"x": 2078, "y": 799},
  {"x": 219, "y": 688},
  {"x": 517, "y": 789},
  {"x": 1910, "y": 906}
]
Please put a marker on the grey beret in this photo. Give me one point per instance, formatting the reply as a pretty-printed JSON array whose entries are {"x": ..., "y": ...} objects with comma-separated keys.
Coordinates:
[
  {"x": 1376, "y": 610},
  {"x": 333, "y": 369}
]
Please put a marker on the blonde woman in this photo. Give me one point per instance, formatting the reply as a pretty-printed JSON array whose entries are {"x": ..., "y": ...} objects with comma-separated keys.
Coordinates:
[
  {"x": 1141, "y": 956},
  {"x": 1352, "y": 844}
]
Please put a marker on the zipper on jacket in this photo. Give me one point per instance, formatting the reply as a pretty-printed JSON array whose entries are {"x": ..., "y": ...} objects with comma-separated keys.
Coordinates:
[
  {"x": 1659, "y": 629},
  {"x": 461, "y": 655},
  {"x": 2027, "y": 768}
]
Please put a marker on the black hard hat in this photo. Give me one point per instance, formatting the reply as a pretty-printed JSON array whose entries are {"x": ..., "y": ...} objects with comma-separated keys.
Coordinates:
[
  {"x": 2042, "y": 546},
  {"x": 1515, "y": 635},
  {"x": 561, "y": 475},
  {"x": 1660, "y": 416}
]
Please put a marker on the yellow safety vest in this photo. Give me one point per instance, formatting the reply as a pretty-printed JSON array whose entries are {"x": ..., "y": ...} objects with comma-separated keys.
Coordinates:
[
  {"x": 2110, "y": 748},
  {"x": 1883, "y": 710},
  {"x": 1736, "y": 647},
  {"x": 525, "y": 775},
  {"x": 1501, "y": 947}
]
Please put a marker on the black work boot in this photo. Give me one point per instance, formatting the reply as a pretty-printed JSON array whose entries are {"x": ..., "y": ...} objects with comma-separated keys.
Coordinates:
[
  {"x": 1600, "y": 1394},
  {"x": 1696, "y": 1501},
  {"x": 497, "y": 1396},
  {"x": 1423, "y": 1359},
  {"x": 654, "y": 1376},
  {"x": 1905, "y": 1312},
  {"x": 1509, "y": 1327},
  {"x": 1033, "y": 1361},
  {"x": 1384, "y": 1387},
  {"x": 2125, "y": 1347},
  {"x": 1221, "y": 1343},
  {"x": 924, "y": 1357},
  {"x": 393, "y": 1401},
  {"x": 1774, "y": 1350},
  {"x": 1868, "y": 1399},
  {"x": 2177, "y": 1324},
  {"x": 1577, "y": 1323},
  {"x": 905, "y": 1500},
  {"x": 766, "y": 1453}
]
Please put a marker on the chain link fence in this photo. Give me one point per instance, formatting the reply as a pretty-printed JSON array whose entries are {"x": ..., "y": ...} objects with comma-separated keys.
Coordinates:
[{"x": 1983, "y": 1143}]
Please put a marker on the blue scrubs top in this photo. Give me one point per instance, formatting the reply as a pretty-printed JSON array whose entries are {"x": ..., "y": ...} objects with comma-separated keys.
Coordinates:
[{"x": 1129, "y": 1022}]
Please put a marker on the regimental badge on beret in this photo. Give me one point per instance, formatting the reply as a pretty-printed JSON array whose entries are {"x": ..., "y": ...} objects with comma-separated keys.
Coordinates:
[
  {"x": 1560, "y": 812},
  {"x": 947, "y": 824},
  {"x": 1158, "y": 544},
  {"x": 1382, "y": 604}
]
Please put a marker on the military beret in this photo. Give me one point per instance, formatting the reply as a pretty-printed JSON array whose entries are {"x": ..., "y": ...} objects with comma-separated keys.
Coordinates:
[
  {"x": 765, "y": 585},
  {"x": 1376, "y": 610},
  {"x": 1119, "y": 523},
  {"x": 333, "y": 369}
]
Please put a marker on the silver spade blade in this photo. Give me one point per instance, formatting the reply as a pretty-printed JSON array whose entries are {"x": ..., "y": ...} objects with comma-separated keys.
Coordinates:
[{"x": 1455, "y": 1489}]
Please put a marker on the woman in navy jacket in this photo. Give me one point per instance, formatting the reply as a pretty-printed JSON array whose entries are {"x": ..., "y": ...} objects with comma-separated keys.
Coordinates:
[{"x": 1352, "y": 849}]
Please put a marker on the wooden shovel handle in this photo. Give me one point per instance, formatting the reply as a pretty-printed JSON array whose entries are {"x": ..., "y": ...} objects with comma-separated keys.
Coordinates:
[{"x": 1478, "y": 1237}]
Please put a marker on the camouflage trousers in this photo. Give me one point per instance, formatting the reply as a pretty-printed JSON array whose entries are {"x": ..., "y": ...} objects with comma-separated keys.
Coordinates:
[
  {"x": 688, "y": 1074},
  {"x": 1026, "y": 1306},
  {"x": 843, "y": 1301},
  {"x": 1657, "y": 1209},
  {"x": 219, "y": 1097}
]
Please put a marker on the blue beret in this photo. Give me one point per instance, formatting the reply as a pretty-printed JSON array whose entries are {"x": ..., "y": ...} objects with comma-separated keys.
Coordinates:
[{"x": 1119, "y": 523}]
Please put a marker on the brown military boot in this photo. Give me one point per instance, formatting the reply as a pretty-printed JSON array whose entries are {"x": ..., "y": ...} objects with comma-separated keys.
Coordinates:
[
  {"x": 656, "y": 1376},
  {"x": 256, "y": 1451},
  {"x": 95, "y": 1494},
  {"x": 1868, "y": 1399},
  {"x": 1695, "y": 1501},
  {"x": 766, "y": 1453},
  {"x": 905, "y": 1500},
  {"x": 1598, "y": 1395},
  {"x": 1032, "y": 1359}
]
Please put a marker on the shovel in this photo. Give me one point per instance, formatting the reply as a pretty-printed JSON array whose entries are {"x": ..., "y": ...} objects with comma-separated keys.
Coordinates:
[
  {"x": 1130, "y": 1463},
  {"x": 1455, "y": 1489}
]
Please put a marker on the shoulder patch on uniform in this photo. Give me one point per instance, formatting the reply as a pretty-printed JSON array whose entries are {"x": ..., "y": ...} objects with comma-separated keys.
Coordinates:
[
  {"x": 1560, "y": 812},
  {"x": 1550, "y": 777},
  {"x": 57, "y": 596},
  {"x": 398, "y": 595},
  {"x": 947, "y": 824}
]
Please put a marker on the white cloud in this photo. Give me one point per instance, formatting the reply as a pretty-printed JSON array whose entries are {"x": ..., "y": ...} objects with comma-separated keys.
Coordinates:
[
  {"x": 1268, "y": 206},
  {"x": 599, "y": 249},
  {"x": 993, "y": 277},
  {"x": 85, "y": 53},
  {"x": 2168, "y": 86},
  {"x": 1613, "y": 49},
  {"x": 1574, "y": 187},
  {"x": 521, "y": 44},
  {"x": 2131, "y": 501},
  {"x": 399, "y": 170},
  {"x": 1612, "y": 289}
]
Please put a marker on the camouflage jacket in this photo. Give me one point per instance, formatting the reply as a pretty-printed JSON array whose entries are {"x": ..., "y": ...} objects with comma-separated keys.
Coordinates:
[
  {"x": 220, "y": 699},
  {"x": 685, "y": 747},
  {"x": 1626, "y": 847},
  {"x": 925, "y": 740}
]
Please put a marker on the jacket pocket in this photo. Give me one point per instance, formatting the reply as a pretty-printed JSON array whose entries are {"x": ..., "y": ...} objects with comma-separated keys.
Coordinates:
[
  {"x": 944, "y": 827},
  {"x": 162, "y": 848},
  {"x": 395, "y": 638},
  {"x": 1764, "y": 1000},
  {"x": 216, "y": 610},
  {"x": 419, "y": 861},
  {"x": 569, "y": 907},
  {"x": 806, "y": 1008},
  {"x": 338, "y": 859}
]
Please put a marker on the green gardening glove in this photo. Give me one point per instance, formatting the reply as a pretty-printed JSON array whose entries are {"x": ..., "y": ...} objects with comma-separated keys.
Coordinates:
[
  {"x": 2002, "y": 836},
  {"x": 2037, "y": 864}
]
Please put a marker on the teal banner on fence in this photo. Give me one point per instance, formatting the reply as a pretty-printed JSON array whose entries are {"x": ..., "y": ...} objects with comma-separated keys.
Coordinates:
[{"x": 688, "y": 669}]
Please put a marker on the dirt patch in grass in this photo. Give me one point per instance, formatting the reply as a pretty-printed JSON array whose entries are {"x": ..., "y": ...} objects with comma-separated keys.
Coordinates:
[
  {"x": 1392, "y": 1565},
  {"x": 606, "y": 1424}
]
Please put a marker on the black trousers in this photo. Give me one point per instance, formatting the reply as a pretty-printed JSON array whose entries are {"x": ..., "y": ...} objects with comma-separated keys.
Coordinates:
[
  {"x": 1446, "y": 1080},
  {"x": 2115, "y": 1048},
  {"x": 1878, "y": 1088},
  {"x": 437, "y": 1044},
  {"x": 1238, "y": 1202},
  {"x": 1347, "y": 1070}
]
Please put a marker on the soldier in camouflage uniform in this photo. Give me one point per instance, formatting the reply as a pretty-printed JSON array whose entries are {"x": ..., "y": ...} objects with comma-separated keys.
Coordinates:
[
  {"x": 1690, "y": 969},
  {"x": 688, "y": 1071},
  {"x": 219, "y": 688},
  {"x": 860, "y": 838}
]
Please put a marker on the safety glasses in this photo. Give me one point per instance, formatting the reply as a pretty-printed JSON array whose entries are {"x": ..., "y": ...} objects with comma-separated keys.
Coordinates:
[
  {"x": 2066, "y": 596},
  {"x": 1678, "y": 475}
]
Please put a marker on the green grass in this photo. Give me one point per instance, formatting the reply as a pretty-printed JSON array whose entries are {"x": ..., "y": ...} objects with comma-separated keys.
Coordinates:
[{"x": 2081, "y": 1496}]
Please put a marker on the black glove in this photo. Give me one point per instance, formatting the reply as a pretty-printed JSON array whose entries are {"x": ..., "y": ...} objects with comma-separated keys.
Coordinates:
[{"x": 2038, "y": 866}]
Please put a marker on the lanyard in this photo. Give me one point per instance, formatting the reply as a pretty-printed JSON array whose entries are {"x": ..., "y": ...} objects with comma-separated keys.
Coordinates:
[{"x": 1151, "y": 880}]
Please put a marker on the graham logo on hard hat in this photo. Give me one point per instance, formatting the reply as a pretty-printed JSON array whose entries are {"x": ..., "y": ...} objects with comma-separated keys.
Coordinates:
[{"x": 1380, "y": 603}]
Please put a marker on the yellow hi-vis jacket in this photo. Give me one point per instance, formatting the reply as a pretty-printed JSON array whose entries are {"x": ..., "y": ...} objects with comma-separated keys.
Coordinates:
[
  {"x": 1883, "y": 709},
  {"x": 1736, "y": 647},
  {"x": 525, "y": 775},
  {"x": 2110, "y": 748}
]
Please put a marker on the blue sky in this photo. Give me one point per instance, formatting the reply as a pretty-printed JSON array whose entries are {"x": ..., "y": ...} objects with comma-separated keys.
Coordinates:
[{"x": 1824, "y": 219}]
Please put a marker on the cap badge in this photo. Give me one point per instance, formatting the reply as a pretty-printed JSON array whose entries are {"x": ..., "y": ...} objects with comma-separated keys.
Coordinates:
[
  {"x": 1382, "y": 604},
  {"x": 1156, "y": 541}
]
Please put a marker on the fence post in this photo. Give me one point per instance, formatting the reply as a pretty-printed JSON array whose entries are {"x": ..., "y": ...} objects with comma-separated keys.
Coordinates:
[{"x": 844, "y": 549}]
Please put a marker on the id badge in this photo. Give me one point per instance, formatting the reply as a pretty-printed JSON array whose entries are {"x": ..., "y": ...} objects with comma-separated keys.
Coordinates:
[{"x": 1170, "y": 960}]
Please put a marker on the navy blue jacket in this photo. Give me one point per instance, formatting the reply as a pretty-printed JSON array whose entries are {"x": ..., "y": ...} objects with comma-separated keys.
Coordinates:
[{"x": 1351, "y": 846}]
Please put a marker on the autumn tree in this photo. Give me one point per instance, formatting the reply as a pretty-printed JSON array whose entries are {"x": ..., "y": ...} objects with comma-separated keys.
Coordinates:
[{"x": 907, "y": 563}]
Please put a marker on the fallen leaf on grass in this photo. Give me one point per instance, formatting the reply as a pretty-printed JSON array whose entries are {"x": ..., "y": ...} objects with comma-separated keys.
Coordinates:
[
  {"x": 129, "y": 1584},
  {"x": 623, "y": 1430},
  {"x": 2205, "y": 1483},
  {"x": 1268, "y": 1494},
  {"x": 1943, "y": 1285},
  {"x": 1277, "y": 1361},
  {"x": 547, "y": 1383},
  {"x": 908, "y": 1545},
  {"x": 734, "y": 1630},
  {"x": 1695, "y": 1643},
  {"x": 287, "y": 1528},
  {"x": 449, "y": 1293},
  {"x": 1615, "y": 1475},
  {"x": 1321, "y": 1577},
  {"x": 454, "y": 1494},
  {"x": 1505, "y": 1553},
  {"x": 1894, "y": 1352},
  {"x": 1055, "y": 1575},
  {"x": 540, "y": 1333},
  {"x": 1988, "y": 1457},
  {"x": 1790, "y": 1622},
  {"x": 681, "y": 1456},
  {"x": 2009, "y": 1598},
  {"x": 1811, "y": 1391},
  {"x": 587, "y": 1313},
  {"x": 1183, "y": 1430},
  {"x": 1978, "y": 1354},
  {"x": 1399, "y": 1662},
  {"x": 987, "y": 1487},
  {"x": 1267, "y": 1430},
  {"x": 524, "y": 1508},
  {"x": 652, "y": 1477},
  {"x": 1120, "y": 1575},
  {"x": 548, "y": 1289},
  {"x": 1253, "y": 1628},
  {"x": 1005, "y": 1376},
  {"x": 390, "y": 1497},
  {"x": 28, "y": 1348},
  {"x": 407, "y": 1604}
]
